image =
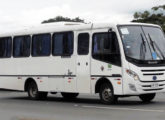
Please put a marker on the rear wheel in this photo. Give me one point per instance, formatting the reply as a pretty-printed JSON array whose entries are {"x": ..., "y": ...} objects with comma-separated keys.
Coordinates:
[
  {"x": 107, "y": 94},
  {"x": 34, "y": 94},
  {"x": 147, "y": 97},
  {"x": 69, "y": 95}
]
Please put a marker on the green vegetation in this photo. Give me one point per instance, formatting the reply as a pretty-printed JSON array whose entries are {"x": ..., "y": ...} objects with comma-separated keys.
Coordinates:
[
  {"x": 155, "y": 16},
  {"x": 63, "y": 19}
]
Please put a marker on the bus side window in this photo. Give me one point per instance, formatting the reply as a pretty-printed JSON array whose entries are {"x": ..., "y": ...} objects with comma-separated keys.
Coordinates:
[
  {"x": 83, "y": 44},
  {"x": 105, "y": 48},
  {"x": 62, "y": 44},
  {"x": 41, "y": 45},
  {"x": 21, "y": 46},
  {"x": 5, "y": 47}
]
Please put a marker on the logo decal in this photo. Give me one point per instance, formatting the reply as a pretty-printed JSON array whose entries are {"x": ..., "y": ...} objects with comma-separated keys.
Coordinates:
[
  {"x": 109, "y": 66},
  {"x": 102, "y": 68},
  {"x": 154, "y": 78}
]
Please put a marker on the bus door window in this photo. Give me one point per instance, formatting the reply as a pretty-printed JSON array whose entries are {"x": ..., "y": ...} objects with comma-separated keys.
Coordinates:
[
  {"x": 105, "y": 48},
  {"x": 83, "y": 44}
]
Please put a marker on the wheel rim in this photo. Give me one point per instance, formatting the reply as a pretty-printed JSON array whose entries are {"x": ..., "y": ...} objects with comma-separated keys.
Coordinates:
[
  {"x": 107, "y": 94},
  {"x": 33, "y": 91}
]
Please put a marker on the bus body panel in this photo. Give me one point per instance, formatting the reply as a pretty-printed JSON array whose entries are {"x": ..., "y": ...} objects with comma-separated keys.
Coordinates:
[
  {"x": 100, "y": 69},
  {"x": 83, "y": 66},
  {"x": 146, "y": 84},
  {"x": 76, "y": 73}
]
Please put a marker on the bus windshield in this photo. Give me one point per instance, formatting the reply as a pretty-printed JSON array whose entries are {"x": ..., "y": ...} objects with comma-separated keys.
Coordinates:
[{"x": 143, "y": 43}]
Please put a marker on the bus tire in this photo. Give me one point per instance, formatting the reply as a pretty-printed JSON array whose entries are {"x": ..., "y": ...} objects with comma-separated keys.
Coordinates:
[
  {"x": 147, "y": 97},
  {"x": 106, "y": 94},
  {"x": 69, "y": 95},
  {"x": 34, "y": 94}
]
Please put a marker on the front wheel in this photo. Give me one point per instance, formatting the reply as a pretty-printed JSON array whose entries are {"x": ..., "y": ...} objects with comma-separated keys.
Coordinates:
[
  {"x": 147, "y": 97},
  {"x": 34, "y": 94},
  {"x": 106, "y": 94}
]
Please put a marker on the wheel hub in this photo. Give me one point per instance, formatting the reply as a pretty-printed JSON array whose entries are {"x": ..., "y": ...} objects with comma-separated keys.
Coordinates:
[
  {"x": 33, "y": 91},
  {"x": 107, "y": 94}
]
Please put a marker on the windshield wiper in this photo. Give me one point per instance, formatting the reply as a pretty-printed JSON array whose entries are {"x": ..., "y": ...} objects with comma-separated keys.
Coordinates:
[
  {"x": 143, "y": 45},
  {"x": 154, "y": 43}
]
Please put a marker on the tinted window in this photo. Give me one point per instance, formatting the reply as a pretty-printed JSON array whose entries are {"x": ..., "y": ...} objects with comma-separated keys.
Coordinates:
[
  {"x": 62, "y": 44},
  {"x": 41, "y": 45},
  {"x": 83, "y": 44},
  {"x": 135, "y": 43},
  {"x": 105, "y": 48},
  {"x": 21, "y": 46},
  {"x": 5, "y": 47}
]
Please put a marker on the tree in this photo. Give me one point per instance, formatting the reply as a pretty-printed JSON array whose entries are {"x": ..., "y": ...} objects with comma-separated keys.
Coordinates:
[
  {"x": 137, "y": 15},
  {"x": 155, "y": 16},
  {"x": 63, "y": 19}
]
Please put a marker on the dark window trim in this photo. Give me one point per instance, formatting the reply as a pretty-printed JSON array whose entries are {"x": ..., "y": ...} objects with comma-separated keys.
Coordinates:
[
  {"x": 93, "y": 39},
  {"x": 10, "y": 47},
  {"x": 32, "y": 45},
  {"x": 78, "y": 43},
  {"x": 93, "y": 49},
  {"x": 63, "y": 55}
]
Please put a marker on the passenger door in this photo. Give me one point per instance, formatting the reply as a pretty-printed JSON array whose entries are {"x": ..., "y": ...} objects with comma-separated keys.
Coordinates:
[{"x": 83, "y": 62}]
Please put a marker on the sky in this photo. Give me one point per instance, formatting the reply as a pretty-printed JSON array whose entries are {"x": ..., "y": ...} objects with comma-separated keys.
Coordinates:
[{"x": 15, "y": 14}]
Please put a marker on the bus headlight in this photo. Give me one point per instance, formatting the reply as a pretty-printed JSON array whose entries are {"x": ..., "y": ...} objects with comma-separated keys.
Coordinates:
[{"x": 132, "y": 74}]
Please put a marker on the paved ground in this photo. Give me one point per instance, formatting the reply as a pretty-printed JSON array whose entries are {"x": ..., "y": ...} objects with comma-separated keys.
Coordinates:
[{"x": 16, "y": 106}]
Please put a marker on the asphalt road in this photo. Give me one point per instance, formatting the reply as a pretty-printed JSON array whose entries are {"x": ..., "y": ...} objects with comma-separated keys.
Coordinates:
[{"x": 17, "y": 106}]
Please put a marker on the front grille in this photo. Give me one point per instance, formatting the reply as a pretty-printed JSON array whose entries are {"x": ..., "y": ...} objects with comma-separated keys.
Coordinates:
[
  {"x": 152, "y": 86},
  {"x": 152, "y": 81},
  {"x": 153, "y": 74},
  {"x": 146, "y": 85},
  {"x": 153, "y": 89},
  {"x": 158, "y": 70},
  {"x": 160, "y": 85}
]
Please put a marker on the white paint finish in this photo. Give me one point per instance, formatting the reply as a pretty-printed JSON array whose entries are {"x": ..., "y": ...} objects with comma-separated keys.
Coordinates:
[
  {"x": 148, "y": 77},
  {"x": 64, "y": 26},
  {"x": 83, "y": 69},
  {"x": 48, "y": 67},
  {"x": 96, "y": 69},
  {"x": 96, "y": 65},
  {"x": 10, "y": 83},
  {"x": 37, "y": 66},
  {"x": 56, "y": 84},
  {"x": 93, "y": 84},
  {"x": 118, "y": 89},
  {"x": 70, "y": 84}
]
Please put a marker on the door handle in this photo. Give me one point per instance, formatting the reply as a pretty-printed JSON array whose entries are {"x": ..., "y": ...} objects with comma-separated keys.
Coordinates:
[
  {"x": 86, "y": 63},
  {"x": 78, "y": 64}
]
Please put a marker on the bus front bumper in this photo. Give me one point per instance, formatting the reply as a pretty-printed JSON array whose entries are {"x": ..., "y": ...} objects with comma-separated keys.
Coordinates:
[{"x": 144, "y": 87}]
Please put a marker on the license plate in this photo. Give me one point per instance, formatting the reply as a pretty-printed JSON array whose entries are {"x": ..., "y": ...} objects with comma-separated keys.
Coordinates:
[{"x": 154, "y": 85}]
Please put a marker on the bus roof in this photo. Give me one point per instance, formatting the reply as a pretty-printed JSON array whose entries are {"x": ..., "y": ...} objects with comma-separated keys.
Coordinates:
[{"x": 65, "y": 26}]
